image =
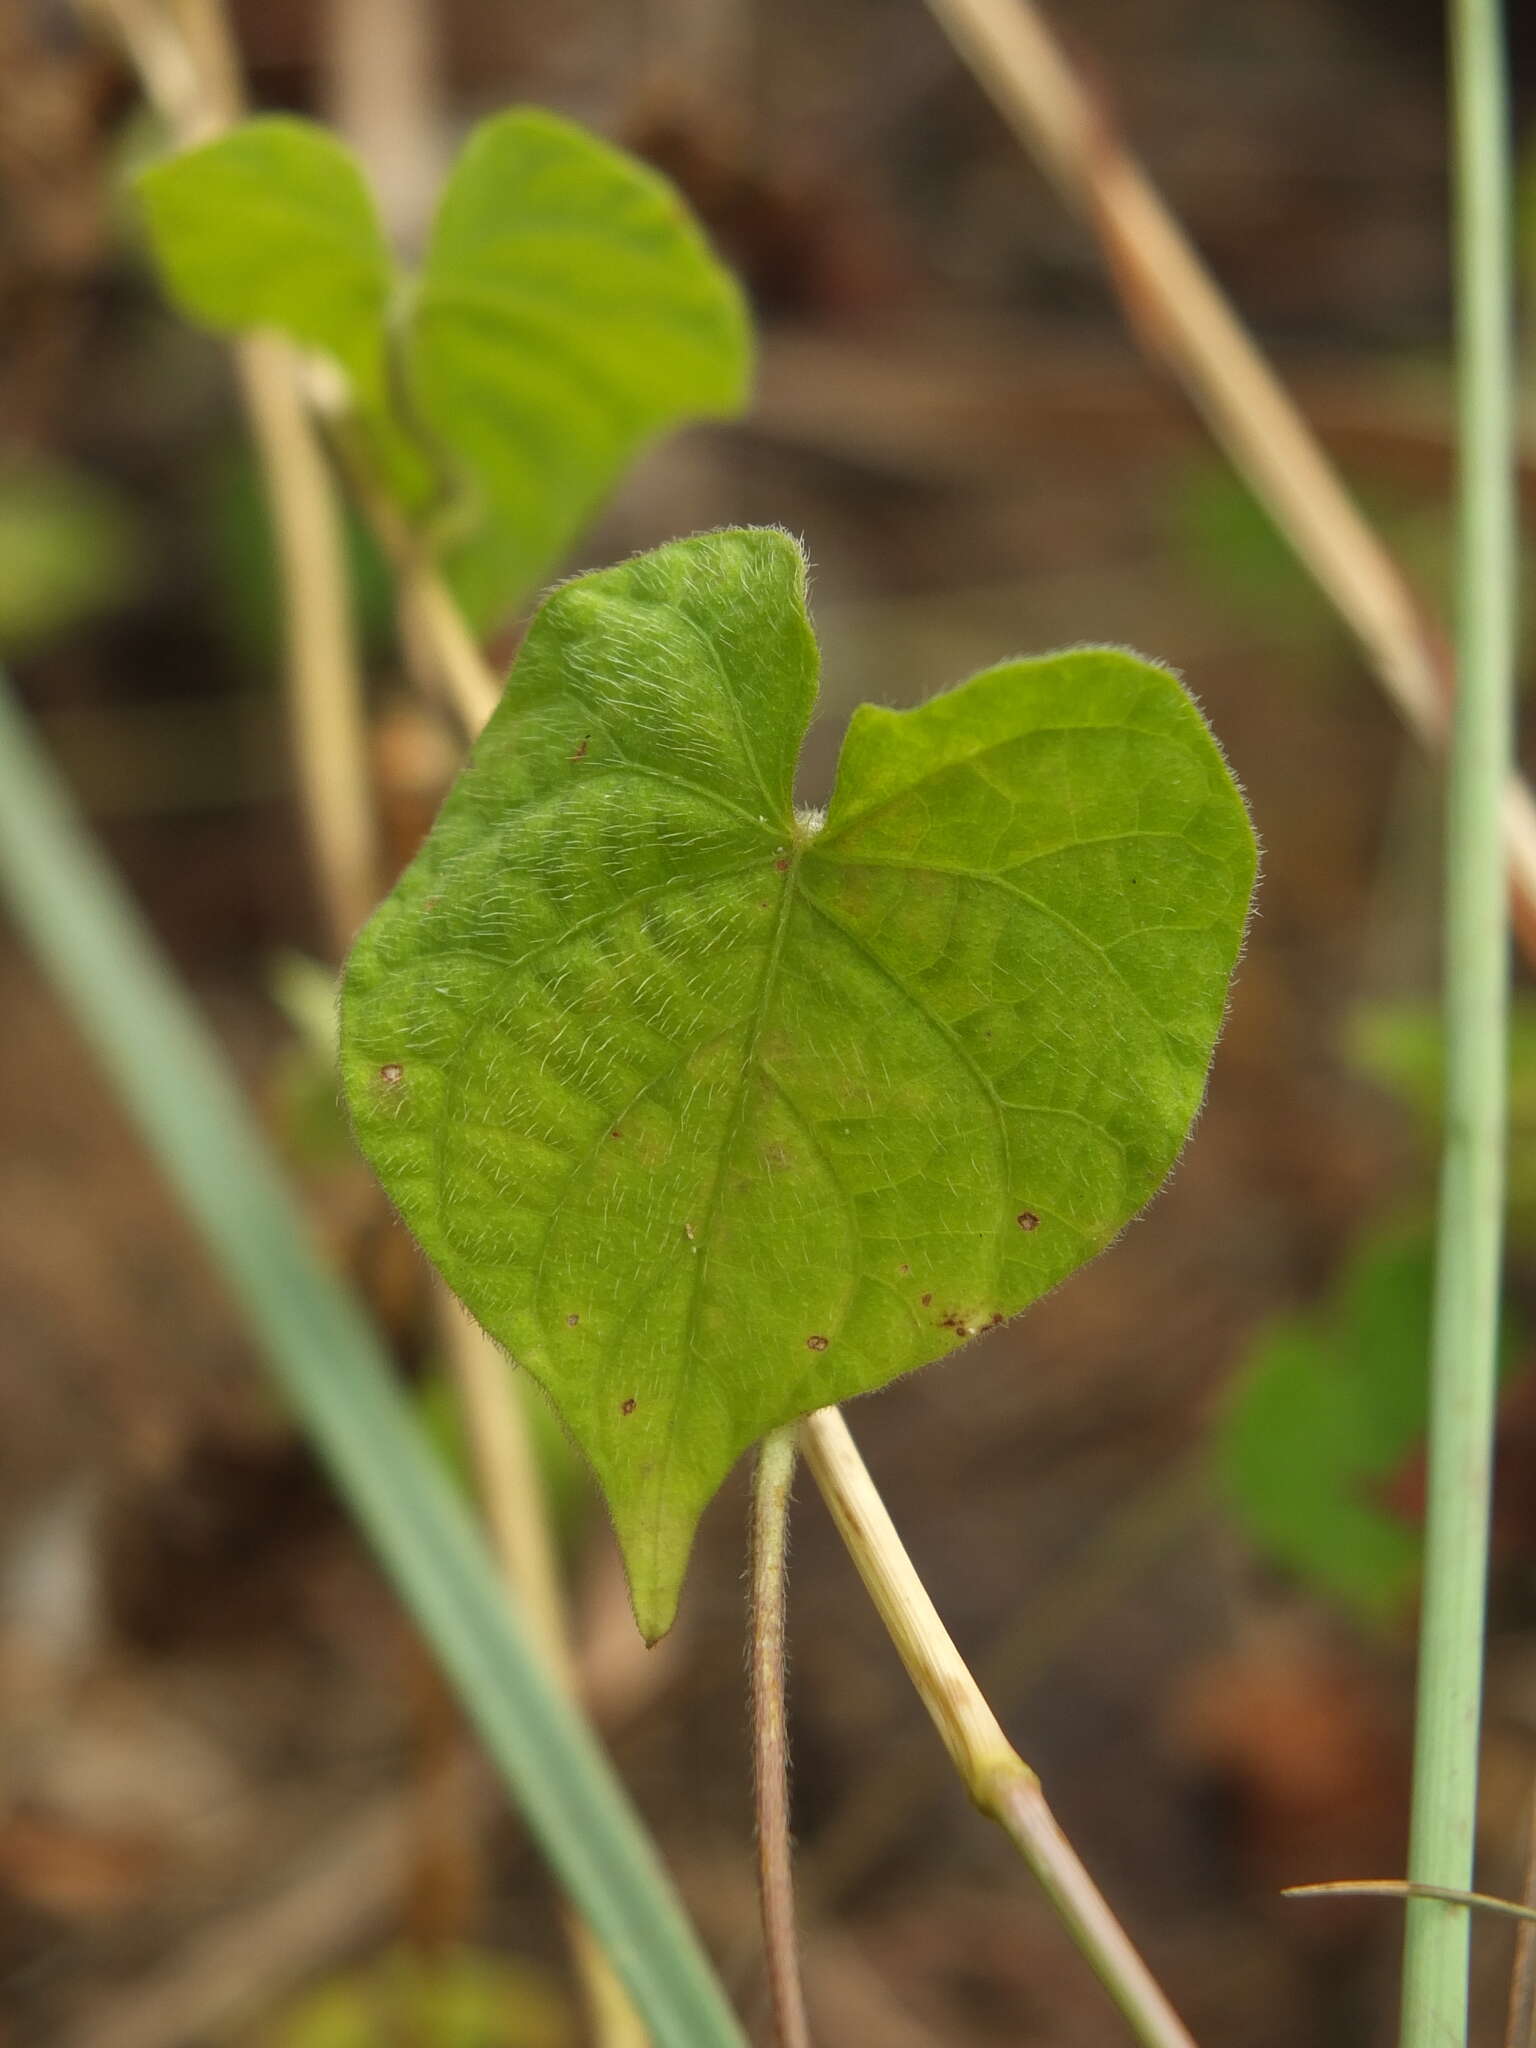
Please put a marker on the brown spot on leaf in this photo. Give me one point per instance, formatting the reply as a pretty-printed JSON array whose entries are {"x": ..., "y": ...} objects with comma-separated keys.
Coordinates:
[
  {"x": 927, "y": 1301},
  {"x": 782, "y": 866},
  {"x": 581, "y": 751},
  {"x": 627, "y": 1407},
  {"x": 903, "y": 1269},
  {"x": 1028, "y": 1220},
  {"x": 572, "y": 1321},
  {"x": 815, "y": 1343},
  {"x": 615, "y": 1132},
  {"x": 392, "y": 1074}
]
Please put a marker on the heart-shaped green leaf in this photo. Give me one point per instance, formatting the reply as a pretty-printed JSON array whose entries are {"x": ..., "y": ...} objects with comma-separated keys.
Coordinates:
[
  {"x": 569, "y": 310},
  {"x": 713, "y": 1113}
]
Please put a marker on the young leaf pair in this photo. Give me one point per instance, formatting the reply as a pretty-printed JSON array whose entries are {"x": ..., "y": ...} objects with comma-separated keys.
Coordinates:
[
  {"x": 714, "y": 1113},
  {"x": 567, "y": 310}
]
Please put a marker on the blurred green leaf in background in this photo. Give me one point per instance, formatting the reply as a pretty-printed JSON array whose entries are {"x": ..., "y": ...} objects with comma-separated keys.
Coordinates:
[
  {"x": 458, "y": 1999},
  {"x": 68, "y": 550},
  {"x": 1323, "y": 1422}
]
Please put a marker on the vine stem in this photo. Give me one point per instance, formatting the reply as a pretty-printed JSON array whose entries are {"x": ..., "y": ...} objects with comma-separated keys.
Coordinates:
[
  {"x": 1000, "y": 1783},
  {"x": 1176, "y": 308},
  {"x": 441, "y": 651},
  {"x": 1464, "y": 1342},
  {"x": 770, "y": 1734},
  {"x": 325, "y": 697}
]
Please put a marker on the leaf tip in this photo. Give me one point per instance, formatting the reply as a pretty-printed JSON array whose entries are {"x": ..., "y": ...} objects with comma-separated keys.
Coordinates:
[
  {"x": 655, "y": 1601},
  {"x": 655, "y": 1530}
]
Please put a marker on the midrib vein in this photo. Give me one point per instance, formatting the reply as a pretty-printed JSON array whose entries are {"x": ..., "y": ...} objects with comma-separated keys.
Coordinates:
[{"x": 755, "y": 1023}]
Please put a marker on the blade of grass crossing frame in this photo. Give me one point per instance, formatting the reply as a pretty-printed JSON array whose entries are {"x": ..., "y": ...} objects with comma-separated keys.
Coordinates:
[
  {"x": 173, "y": 1080},
  {"x": 1465, "y": 1336}
]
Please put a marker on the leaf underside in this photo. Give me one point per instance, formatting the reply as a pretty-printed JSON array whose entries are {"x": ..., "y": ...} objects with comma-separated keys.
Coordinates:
[
  {"x": 567, "y": 312},
  {"x": 713, "y": 1117}
]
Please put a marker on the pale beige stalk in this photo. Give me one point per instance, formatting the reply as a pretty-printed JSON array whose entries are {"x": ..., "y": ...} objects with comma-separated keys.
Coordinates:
[
  {"x": 1406, "y": 1888},
  {"x": 1000, "y": 1783},
  {"x": 326, "y": 714},
  {"x": 188, "y": 67}
]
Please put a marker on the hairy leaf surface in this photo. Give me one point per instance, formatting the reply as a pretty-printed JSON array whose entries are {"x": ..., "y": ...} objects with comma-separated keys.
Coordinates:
[
  {"x": 568, "y": 311},
  {"x": 713, "y": 1117}
]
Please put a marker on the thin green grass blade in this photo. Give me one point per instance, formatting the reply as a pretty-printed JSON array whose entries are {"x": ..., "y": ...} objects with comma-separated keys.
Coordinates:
[
  {"x": 1466, "y": 1316},
  {"x": 172, "y": 1078}
]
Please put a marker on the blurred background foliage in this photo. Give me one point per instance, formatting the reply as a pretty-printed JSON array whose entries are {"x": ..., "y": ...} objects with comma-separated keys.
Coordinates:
[{"x": 1173, "y": 1514}]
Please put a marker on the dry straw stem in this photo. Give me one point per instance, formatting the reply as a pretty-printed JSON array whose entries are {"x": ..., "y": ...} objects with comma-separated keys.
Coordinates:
[
  {"x": 1183, "y": 319},
  {"x": 1000, "y": 1783},
  {"x": 770, "y": 1736},
  {"x": 1405, "y": 1888},
  {"x": 189, "y": 70}
]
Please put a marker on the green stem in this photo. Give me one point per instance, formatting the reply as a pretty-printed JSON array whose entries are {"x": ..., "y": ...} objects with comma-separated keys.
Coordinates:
[
  {"x": 1435, "y": 1970},
  {"x": 172, "y": 1079}
]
